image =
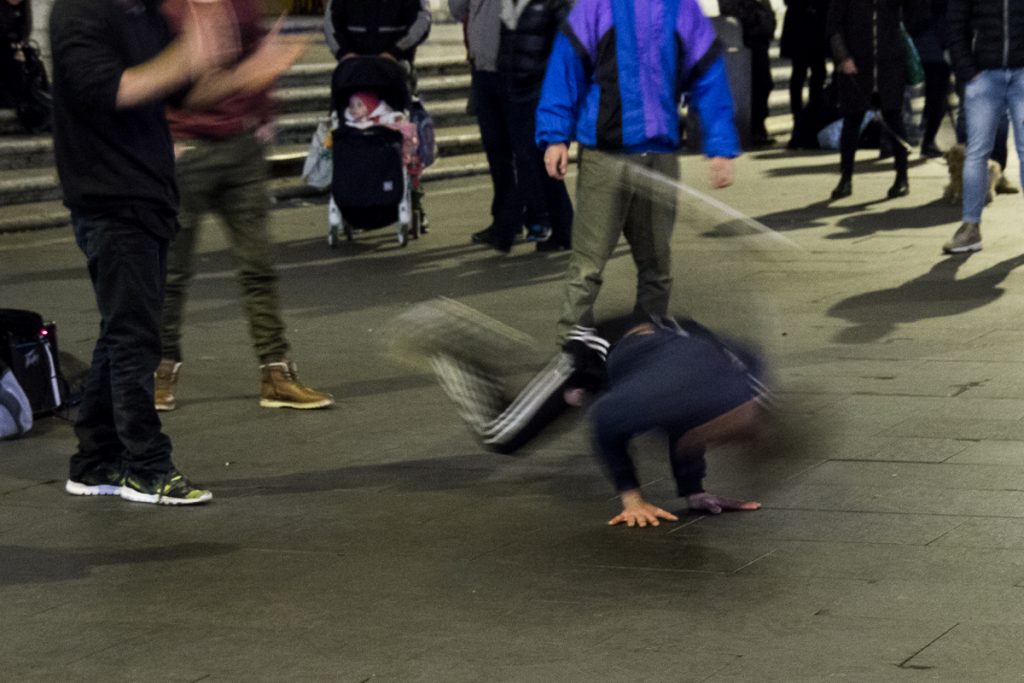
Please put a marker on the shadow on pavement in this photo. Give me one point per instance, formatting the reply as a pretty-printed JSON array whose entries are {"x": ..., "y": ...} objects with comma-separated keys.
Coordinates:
[
  {"x": 21, "y": 564},
  {"x": 934, "y": 294},
  {"x": 936, "y": 212}
]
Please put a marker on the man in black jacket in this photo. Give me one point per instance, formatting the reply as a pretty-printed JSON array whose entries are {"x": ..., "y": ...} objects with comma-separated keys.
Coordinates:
[
  {"x": 115, "y": 65},
  {"x": 985, "y": 39},
  {"x": 393, "y": 28}
]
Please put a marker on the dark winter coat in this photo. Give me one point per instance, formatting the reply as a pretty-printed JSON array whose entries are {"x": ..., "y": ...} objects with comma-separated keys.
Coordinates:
[
  {"x": 523, "y": 52},
  {"x": 979, "y": 37},
  {"x": 868, "y": 31},
  {"x": 803, "y": 30},
  {"x": 372, "y": 27},
  {"x": 930, "y": 36},
  {"x": 15, "y": 21},
  {"x": 756, "y": 17}
]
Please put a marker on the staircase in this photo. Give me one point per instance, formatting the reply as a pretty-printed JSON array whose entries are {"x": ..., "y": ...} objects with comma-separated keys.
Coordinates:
[{"x": 30, "y": 193}]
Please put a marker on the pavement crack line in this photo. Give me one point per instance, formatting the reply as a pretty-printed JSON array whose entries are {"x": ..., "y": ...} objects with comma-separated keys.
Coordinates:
[
  {"x": 753, "y": 561},
  {"x": 905, "y": 664},
  {"x": 945, "y": 533}
]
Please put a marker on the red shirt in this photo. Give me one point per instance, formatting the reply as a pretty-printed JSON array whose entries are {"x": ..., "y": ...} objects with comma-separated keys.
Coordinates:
[{"x": 238, "y": 113}]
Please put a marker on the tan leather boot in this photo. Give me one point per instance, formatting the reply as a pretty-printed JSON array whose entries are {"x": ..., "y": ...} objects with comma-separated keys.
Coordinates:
[
  {"x": 280, "y": 388},
  {"x": 166, "y": 379}
]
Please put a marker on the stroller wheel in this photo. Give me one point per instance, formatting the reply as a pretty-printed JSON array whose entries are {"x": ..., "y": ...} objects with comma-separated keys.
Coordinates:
[
  {"x": 414, "y": 230},
  {"x": 403, "y": 234},
  {"x": 348, "y": 231},
  {"x": 332, "y": 236}
]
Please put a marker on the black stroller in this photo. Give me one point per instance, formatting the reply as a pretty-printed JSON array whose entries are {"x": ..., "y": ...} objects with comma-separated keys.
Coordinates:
[{"x": 371, "y": 184}]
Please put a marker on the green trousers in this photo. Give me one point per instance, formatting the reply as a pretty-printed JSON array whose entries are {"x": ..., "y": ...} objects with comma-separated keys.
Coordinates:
[
  {"x": 621, "y": 194},
  {"x": 227, "y": 178}
]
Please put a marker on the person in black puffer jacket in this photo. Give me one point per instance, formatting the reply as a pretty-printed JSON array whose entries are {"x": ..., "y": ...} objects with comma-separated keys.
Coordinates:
[
  {"x": 507, "y": 78},
  {"x": 527, "y": 36},
  {"x": 985, "y": 39}
]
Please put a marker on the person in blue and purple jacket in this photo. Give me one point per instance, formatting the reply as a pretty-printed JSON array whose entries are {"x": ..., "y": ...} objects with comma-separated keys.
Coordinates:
[{"x": 614, "y": 82}]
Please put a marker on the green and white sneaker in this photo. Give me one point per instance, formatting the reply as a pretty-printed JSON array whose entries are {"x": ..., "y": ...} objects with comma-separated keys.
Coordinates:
[
  {"x": 98, "y": 482},
  {"x": 172, "y": 488}
]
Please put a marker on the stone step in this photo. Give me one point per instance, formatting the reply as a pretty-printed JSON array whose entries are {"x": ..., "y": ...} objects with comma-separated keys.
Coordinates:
[
  {"x": 27, "y": 186},
  {"x": 302, "y": 107},
  {"x": 434, "y": 89},
  {"x": 319, "y": 73},
  {"x": 9, "y": 123},
  {"x": 36, "y": 151},
  {"x": 33, "y": 216},
  {"x": 53, "y": 214},
  {"x": 26, "y": 152},
  {"x": 298, "y": 128}
]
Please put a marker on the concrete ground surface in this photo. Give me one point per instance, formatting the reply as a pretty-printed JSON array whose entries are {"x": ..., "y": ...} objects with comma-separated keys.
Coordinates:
[{"x": 378, "y": 541}]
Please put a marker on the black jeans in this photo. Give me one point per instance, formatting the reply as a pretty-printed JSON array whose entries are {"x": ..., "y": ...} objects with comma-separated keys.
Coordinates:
[
  {"x": 761, "y": 85},
  {"x": 506, "y": 210},
  {"x": 523, "y": 192},
  {"x": 117, "y": 425},
  {"x": 936, "y": 98},
  {"x": 851, "y": 135}
]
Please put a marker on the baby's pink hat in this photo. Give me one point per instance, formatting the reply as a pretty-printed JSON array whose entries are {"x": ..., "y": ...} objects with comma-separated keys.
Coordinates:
[{"x": 369, "y": 99}]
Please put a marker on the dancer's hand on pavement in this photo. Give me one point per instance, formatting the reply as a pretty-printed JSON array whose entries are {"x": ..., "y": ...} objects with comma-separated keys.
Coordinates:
[
  {"x": 723, "y": 172},
  {"x": 709, "y": 502},
  {"x": 638, "y": 512},
  {"x": 556, "y": 161},
  {"x": 848, "y": 67}
]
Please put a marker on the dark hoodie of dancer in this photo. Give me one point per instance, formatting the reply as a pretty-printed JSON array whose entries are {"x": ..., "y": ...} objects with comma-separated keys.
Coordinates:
[{"x": 675, "y": 377}]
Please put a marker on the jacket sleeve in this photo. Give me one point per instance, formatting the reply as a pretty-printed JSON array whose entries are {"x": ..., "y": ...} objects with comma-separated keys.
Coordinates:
[
  {"x": 958, "y": 40},
  {"x": 834, "y": 23},
  {"x": 419, "y": 29},
  {"x": 90, "y": 66},
  {"x": 332, "y": 42},
  {"x": 561, "y": 96},
  {"x": 709, "y": 92},
  {"x": 336, "y": 21},
  {"x": 459, "y": 9},
  {"x": 612, "y": 430}
]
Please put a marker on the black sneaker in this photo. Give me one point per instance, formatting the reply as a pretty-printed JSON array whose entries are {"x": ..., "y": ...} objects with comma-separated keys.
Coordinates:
[
  {"x": 172, "y": 488},
  {"x": 482, "y": 236},
  {"x": 930, "y": 150},
  {"x": 538, "y": 232},
  {"x": 553, "y": 245},
  {"x": 98, "y": 482}
]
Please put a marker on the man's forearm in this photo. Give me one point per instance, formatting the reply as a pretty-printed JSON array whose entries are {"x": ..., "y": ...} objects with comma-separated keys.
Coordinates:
[
  {"x": 155, "y": 79},
  {"x": 211, "y": 89}
]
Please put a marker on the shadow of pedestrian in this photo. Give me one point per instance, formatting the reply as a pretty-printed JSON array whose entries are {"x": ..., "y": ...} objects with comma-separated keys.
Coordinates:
[
  {"x": 21, "y": 564},
  {"x": 936, "y": 212},
  {"x": 815, "y": 215},
  {"x": 934, "y": 294}
]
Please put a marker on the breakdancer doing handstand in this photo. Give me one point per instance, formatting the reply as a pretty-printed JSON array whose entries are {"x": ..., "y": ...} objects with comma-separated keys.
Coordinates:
[{"x": 675, "y": 377}]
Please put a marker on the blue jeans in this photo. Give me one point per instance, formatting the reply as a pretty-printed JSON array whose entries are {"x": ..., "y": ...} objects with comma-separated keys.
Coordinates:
[
  {"x": 117, "y": 426},
  {"x": 987, "y": 97}
]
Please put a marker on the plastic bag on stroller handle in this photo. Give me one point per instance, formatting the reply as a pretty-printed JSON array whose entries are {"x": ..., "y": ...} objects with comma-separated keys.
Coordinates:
[{"x": 317, "y": 171}]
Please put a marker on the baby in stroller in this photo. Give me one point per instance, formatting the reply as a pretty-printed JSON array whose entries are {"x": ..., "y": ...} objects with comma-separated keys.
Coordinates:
[
  {"x": 365, "y": 109},
  {"x": 376, "y": 137}
]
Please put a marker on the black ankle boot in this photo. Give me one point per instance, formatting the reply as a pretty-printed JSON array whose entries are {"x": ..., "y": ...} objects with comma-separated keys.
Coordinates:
[
  {"x": 844, "y": 188},
  {"x": 900, "y": 187}
]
